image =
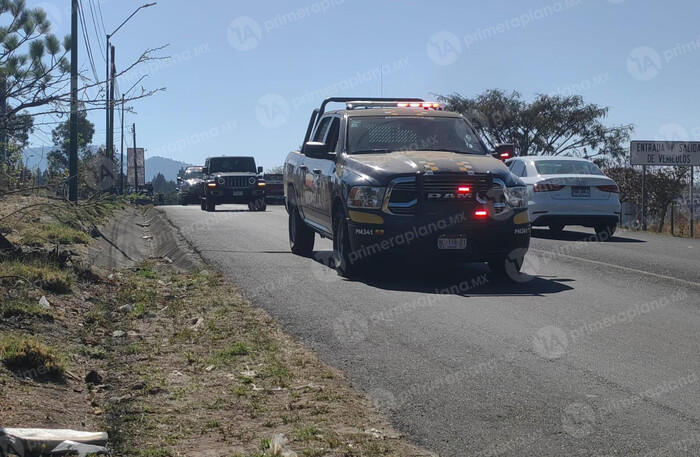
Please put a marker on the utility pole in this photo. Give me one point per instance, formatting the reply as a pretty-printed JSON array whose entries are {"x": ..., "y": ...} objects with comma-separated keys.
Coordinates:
[
  {"x": 136, "y": 162},
  {"x": 121, "y": 152},
  {"x": 107, "y": 99},
  {"x": 111, "y": 109},
  {"x": 73, "y": 145},
  {"x": 644, "y": 198}
]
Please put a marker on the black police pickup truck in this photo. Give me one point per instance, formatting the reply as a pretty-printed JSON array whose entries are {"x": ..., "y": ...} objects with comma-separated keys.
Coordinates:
[
  {"x": 190, "y": 185},
  {"x": 232, "y": 180},
  {"x": 387, "y": 176}
]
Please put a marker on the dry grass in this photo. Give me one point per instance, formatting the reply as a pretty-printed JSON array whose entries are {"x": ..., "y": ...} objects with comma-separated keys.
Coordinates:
[
  {"x": 217, "y": 376},
  {"x": 24, "y": 309},
  {"x": 30, "y": 357},
  {"x": 43, "y": 275},
  {"x": 54, "y": 233}
]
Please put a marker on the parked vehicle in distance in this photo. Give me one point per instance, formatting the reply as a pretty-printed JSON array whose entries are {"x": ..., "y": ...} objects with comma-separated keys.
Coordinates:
[
  {"x": 230, "y": 180},
  {"x": 274, "y": 188},
  {"x": 190, "y": 185},
  {"x": 569, "y": 191},
  {"x": 405, "y": 177}
]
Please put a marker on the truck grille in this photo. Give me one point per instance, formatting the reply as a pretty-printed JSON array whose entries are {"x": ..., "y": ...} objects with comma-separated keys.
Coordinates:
[
  {"x": 409, "y": 196},
  {"x": 237, "y": 182}
]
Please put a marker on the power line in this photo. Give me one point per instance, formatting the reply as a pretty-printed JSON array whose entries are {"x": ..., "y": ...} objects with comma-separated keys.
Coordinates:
[
  {"x": 86, "y": 37},
  {"x": 99, "y": 6},
  {"x": 97, "y": 32}
]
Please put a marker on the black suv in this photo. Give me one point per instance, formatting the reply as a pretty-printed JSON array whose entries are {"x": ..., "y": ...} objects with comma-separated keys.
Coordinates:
[
  {"x": 232, "y": 180},
  {"x": 387, "y": 176}
]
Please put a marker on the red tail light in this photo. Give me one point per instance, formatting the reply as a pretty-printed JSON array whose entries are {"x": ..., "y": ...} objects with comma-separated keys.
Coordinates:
[
  {"x": 612, "y": 188},
  {"x": 481, "y": 213},
  {"x": 548, "y": 187},
  {"x": 505, "y": 155}
]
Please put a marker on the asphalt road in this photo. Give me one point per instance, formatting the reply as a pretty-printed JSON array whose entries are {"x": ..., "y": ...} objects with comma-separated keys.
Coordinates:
[{"x": 595, "y": 352}]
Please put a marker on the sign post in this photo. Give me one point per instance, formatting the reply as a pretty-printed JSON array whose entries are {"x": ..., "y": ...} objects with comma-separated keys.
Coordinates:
[
  {"x": 135, "y": 168},
  {"x": 666, "y": 154}
]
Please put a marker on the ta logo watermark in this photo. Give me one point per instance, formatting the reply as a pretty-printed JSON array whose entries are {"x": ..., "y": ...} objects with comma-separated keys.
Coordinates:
[
  {"x": 244, "y": 33},
  {"x": 272, "y": 111},
  {"x": 578, "y": 420},
  {"x": 444, "y": 48},
  {"x": 550, "y": 342},
  {"x": 644, "y": 63},
  {"x": 350, "y": 328}
]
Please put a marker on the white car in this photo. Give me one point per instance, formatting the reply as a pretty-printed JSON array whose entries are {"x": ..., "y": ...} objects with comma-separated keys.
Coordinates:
[{"x": 568, "y": 191}]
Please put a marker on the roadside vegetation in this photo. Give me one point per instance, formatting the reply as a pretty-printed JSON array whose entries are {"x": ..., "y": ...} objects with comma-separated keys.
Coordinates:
[{"x": 168, "y": 362}]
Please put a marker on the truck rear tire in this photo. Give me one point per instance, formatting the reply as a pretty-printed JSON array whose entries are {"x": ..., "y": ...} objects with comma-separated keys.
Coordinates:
[
  {"x": 507, "y": 267},
  {"x": 345, "y": 265},
  {"x": 301, "y": 237}
]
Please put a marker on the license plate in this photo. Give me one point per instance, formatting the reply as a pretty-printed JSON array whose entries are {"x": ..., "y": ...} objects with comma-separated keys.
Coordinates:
[
  {"x": 452, "y": 243},
  {"x": 237, "y": 193},
  {"x": 580, "y": 191}
]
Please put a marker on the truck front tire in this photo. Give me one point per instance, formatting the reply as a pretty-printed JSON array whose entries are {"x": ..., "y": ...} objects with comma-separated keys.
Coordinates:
[{"x": 301, "y": 237}]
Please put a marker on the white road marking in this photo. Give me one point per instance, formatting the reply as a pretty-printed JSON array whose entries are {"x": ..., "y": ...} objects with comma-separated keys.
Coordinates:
[{"x": 632, "y": 270}]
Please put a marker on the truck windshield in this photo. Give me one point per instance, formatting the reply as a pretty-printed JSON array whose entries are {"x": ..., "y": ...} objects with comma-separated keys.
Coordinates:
[
  {"x": 411, "y": 133},
  {"x": 232, "y": 165}
]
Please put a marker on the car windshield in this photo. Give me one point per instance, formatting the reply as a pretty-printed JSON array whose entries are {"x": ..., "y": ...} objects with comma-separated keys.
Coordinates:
[
  {"x": 194, "y": 174},
  {"x": 232, "y": 165},
  {"x": 566, "y": 167},
  {"x": 411, "y": 133}
]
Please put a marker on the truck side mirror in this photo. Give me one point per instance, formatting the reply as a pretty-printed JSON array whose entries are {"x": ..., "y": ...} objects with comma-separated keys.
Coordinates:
[
  {"x": 504, "y": 152},
  {"x": 260, "y": 169},
  {"x": 316, "y": 150}
]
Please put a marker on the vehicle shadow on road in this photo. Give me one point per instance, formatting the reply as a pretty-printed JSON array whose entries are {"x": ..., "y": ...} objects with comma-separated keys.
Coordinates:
[
  {"x": 571, "y": 235},
  {"x": 465, "y": 280}
]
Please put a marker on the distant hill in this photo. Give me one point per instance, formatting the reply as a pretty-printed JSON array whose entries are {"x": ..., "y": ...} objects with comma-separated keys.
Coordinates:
[
  {"x": 37, "y": 157},
  {"x": 168, "y": 167}
]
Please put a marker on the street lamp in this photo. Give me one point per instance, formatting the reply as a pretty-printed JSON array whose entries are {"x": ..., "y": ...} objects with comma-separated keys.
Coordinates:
[{"x": 110, "y": 126}]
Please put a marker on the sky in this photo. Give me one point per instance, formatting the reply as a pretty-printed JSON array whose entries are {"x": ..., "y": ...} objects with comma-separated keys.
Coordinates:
[{"x": 243, "y": 76}]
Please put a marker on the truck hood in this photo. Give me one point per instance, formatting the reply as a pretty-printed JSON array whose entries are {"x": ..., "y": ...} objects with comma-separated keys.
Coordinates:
[{"x": 383, "y": 167}]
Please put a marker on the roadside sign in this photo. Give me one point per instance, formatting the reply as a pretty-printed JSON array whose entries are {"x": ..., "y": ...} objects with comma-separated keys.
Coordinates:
[
  {"x": 665, "y": 153},
  {"x": 140, "y": 167}
]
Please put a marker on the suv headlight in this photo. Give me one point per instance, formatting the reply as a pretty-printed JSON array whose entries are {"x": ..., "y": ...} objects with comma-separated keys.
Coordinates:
[
  {"x": 366, "y": 197},
  {"x": 516, "y": 197}
]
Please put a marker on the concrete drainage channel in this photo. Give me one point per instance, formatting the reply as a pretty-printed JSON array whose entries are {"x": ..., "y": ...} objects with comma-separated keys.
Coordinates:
[{"x": 136, "y": 235}]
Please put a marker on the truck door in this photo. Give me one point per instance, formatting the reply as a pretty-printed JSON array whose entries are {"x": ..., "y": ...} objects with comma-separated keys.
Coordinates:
[
  {"x": 327, "y": 169},
  {"x": 311, "y": 178}
]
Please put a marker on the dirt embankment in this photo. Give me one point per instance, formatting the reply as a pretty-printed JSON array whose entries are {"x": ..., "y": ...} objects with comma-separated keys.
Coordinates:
[{"x": 152, "y": 346}]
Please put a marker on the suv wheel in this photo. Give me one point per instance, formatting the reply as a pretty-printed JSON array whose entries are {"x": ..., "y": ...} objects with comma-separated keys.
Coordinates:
[
  {"x": 301, "y": 237},
  {"x": 210, "y": 207},
  {"x": 203, "y": 204},
  {"x": 344, "y": 264},
  {"x": 605, "y": 232}
]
